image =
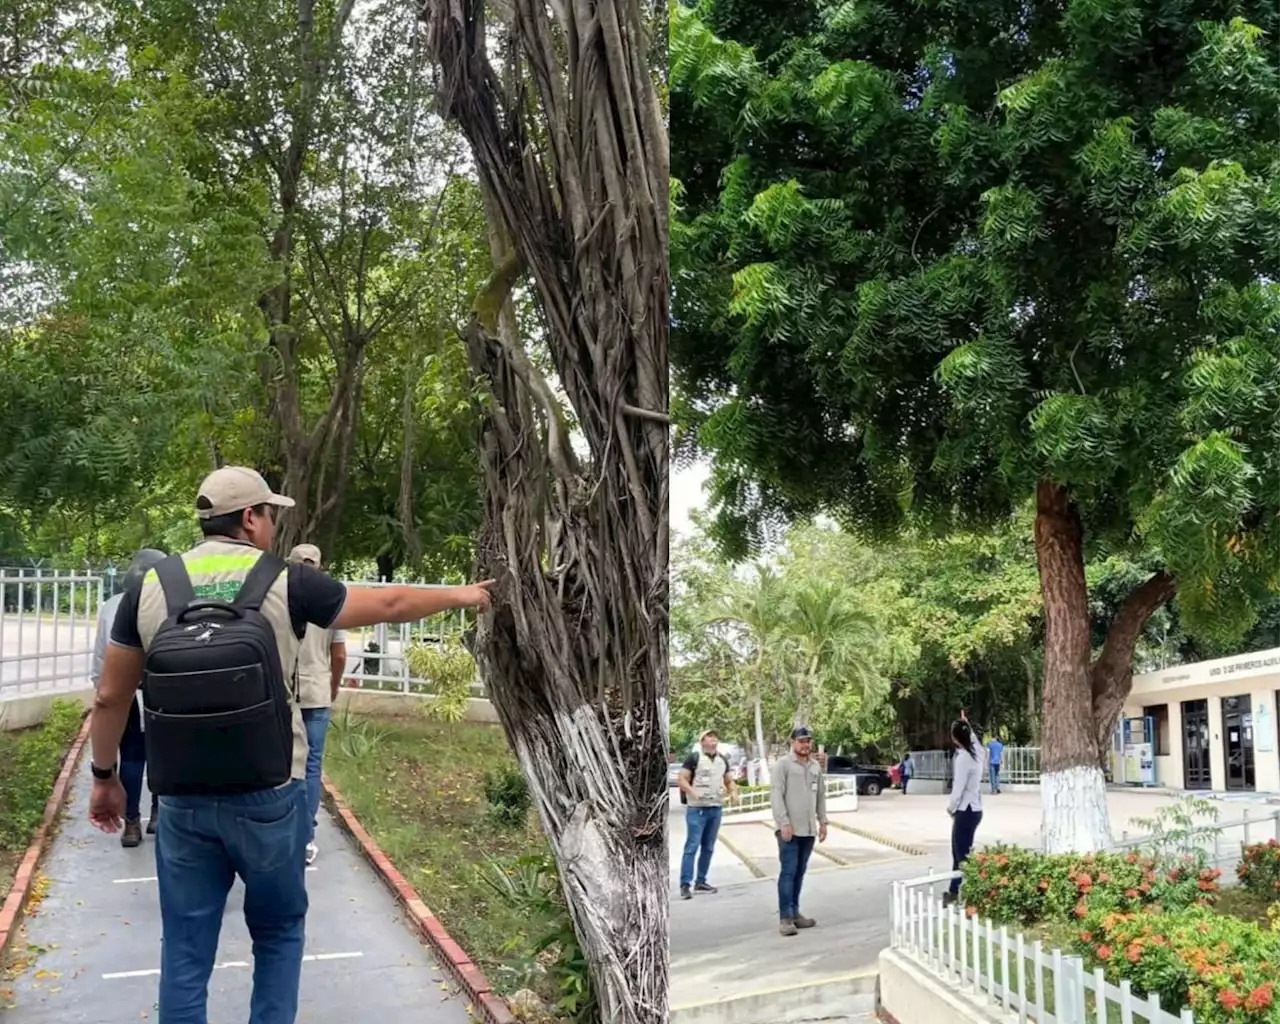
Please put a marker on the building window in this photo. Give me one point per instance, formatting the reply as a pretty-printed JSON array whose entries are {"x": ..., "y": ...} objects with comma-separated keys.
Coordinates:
[{"x": 1159, "y": 715}]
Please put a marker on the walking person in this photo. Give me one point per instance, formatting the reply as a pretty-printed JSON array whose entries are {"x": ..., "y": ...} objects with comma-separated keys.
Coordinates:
[
  {"x": 908, "y": 769},
  {"x": 995, "y": 751},
  {"x": 965, "y": 804},
  {"x": 322, "y": 658},
  {"x": 799, "y": 798},
  {"x": 133, "y": 750},
  {"x": 212, "y": 637},
  {"x": 705, "y": 781}
]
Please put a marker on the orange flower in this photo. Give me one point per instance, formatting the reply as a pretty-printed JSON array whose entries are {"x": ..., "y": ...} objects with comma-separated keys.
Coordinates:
[
  {"x": 1229, "y": 999},
  {"x": 1131, "y": 893},
  {"x": 1104, "y": 952},
  {"x": 1260, "y": 997}
]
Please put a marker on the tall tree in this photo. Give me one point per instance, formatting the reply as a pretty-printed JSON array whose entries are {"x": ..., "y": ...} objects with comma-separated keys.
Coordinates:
[
  {"x": 931, "y": 263},
  {"x": 569, "y": 142}
]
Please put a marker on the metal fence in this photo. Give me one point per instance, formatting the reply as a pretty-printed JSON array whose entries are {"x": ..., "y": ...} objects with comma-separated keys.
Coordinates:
[
  {"x": 1018, "y": 765},
  {"x": 1001, "y": 970},
  {"x": 49, "y": 621},
  {"x": 759, "y": 799}
]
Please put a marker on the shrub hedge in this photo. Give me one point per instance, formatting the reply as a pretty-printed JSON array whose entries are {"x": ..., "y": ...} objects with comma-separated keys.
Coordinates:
[{"x": 1014, "y": 885}]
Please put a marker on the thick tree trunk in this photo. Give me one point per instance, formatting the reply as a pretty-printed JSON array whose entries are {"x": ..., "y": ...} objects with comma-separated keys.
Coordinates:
[
  {"x": 1081, "y": 698},
  {"x": 574, "y": 167}
]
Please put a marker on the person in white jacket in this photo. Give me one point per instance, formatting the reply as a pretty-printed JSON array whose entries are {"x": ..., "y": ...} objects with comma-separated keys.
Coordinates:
[
  {"x": 965, "y": 805},
  {"x": 133, "y": 751}
]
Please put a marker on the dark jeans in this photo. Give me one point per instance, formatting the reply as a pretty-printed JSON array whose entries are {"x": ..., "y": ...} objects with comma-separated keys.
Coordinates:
[
  {"x": 905, "y": 780},
  {"x": 964, "y": 826},
  {"x": 995, "y": 776},
  {"x": 133, "y": 763},
  {"x": 203, "y": 843},
  {"x": 702, "y": 825},
  {"x": 794, "y": 856}
]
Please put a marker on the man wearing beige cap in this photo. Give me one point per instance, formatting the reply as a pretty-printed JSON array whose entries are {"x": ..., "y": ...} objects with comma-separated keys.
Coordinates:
[
  {"x": 321, "y": 660},
  {"x": 212, "y": 637},
  {"x": 705, "y": 781}
]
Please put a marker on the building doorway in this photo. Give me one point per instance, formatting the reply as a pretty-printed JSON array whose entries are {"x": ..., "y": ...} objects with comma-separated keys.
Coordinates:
[
  {"x": 1195, "y": 745},
  {"x": 1237, "y": 738}
]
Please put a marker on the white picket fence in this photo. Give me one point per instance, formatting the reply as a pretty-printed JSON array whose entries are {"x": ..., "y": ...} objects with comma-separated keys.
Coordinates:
[
  {"x": 49, "y": 621},
  {"x": 1003, "y": 970}
]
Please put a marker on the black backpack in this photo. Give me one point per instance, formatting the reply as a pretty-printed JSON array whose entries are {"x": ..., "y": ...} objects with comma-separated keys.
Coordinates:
[{"x": 219, "y": 713}]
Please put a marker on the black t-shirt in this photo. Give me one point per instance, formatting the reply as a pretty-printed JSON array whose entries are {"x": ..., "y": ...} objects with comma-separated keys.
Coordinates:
[{"x": 315, "y": 598}]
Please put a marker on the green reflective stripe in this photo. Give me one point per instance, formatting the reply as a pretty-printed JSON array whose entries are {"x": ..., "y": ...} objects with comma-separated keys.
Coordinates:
[{"x": 210, "y": 564}]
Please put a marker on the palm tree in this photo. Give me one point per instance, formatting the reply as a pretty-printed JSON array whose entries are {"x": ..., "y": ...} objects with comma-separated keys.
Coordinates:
[
  {"x": 758, "y": 610},
  {"x": 836, "y": 642}
]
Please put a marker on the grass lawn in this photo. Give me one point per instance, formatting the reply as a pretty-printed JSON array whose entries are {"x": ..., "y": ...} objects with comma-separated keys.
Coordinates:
[
  {"x": 418, "y": 787},
  {"x": 29, "y": 763}
]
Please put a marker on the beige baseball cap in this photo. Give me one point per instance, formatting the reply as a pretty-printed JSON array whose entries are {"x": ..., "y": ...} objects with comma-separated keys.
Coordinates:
[
  {"x": 305, "y": 553},
  {"x": 233, "y": 488}
]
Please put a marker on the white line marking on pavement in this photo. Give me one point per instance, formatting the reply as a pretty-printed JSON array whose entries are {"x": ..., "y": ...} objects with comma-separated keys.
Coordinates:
[
  {"x": 311, "y": 957},
  {"x": 148, "y": 878}
]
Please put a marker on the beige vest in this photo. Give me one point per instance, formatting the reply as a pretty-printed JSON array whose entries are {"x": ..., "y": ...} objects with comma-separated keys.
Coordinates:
[
  {"x": 315, "y": 668},
  {"x": 708, "y": 781},
  {"x": 217, "y": 569}
]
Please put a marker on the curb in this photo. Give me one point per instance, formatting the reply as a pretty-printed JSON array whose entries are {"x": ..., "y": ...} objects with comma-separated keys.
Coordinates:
[
  {"x": 25, "y": 879},
  {"x": 893, "y": 844},
  {"x": 487, "y": 1005}
]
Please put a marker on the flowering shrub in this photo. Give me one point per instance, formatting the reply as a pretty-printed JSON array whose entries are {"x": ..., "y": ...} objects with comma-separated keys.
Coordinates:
[
  {"x": 1227, "y": 970},
  {"x": 1013, "y": 885},
  {"x": 1259, "y": 867}
]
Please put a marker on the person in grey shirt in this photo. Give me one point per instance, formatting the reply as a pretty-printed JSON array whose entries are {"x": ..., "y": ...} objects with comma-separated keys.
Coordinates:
[
  {"x": 133, "y": 751},
  {"x": 965, "y": 804},
  {"x": 799, "y": 798}
]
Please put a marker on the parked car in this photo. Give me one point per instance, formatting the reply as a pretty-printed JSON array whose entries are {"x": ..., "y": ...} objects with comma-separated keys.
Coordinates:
[{"x": 871, "y": 781}]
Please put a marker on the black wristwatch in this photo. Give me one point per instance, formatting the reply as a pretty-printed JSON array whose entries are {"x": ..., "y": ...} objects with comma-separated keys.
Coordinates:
[{"x": 102, "y": 774}]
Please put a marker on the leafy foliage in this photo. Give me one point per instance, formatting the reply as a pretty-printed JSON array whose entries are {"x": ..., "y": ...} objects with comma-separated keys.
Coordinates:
[{"x": 922, "y": 259}]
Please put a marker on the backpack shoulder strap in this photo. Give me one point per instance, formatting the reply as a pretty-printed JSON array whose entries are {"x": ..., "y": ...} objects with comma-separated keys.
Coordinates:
[
  {"x": 176, "y": 584},
  {"x": 261, "y": 577}
]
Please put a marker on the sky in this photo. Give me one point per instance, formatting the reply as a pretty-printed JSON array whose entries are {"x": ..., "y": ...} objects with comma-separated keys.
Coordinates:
[{"x": 687, "y": 494}]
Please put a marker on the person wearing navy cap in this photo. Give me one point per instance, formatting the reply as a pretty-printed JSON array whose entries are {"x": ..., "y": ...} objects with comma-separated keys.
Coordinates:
[{"x": 799, "y": 798}]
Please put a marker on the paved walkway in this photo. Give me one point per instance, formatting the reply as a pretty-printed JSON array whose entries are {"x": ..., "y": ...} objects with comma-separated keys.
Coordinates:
[
  {"x": 98, "y": 930},
  {"x": 728, "y": 943}
]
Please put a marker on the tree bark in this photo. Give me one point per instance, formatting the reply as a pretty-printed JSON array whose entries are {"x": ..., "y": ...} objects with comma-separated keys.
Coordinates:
[
  {"x": 574, "y": 166},
  {"x": 1081, "y": 697}
]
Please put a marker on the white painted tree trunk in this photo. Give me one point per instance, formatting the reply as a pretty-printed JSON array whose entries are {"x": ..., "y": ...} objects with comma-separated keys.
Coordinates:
[
  {"x": 761, "y": 752},
  {"x": 1075, "y": 811}
]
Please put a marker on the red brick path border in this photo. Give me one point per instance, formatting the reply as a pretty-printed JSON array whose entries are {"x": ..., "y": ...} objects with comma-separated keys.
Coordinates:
[
  {"x": 486, "y": 1004},
  {"x": 24, "y": 880}
]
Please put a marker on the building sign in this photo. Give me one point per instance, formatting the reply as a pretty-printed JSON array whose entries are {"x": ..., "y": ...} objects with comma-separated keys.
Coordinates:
[{"x": 1220, "y": 670}]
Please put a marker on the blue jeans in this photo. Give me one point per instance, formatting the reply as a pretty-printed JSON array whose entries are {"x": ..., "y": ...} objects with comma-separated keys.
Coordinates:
[
  {"x": 995, "y": 776},
  {"x": 794, "y": 856},
  {"x": 702, "y": 825},
  {"x": 203, "y": 842},
  {"x": 317, "y": 722}
]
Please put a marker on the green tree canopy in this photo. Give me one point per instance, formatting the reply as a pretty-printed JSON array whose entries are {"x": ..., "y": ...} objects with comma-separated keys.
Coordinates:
[{"x": 930, "y": 261}]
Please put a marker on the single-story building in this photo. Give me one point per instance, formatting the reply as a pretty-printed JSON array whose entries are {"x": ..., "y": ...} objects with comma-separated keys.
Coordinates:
[{"x": 1213, "y": 724}]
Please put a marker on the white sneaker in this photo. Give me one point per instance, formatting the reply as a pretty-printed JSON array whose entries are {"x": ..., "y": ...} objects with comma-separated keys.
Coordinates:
[{"x": 313, "y": 852}]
